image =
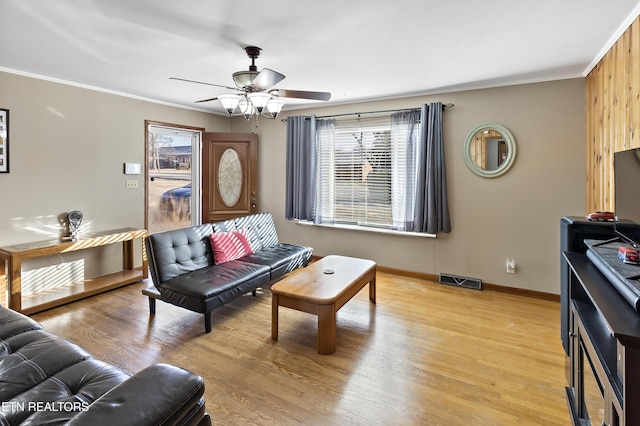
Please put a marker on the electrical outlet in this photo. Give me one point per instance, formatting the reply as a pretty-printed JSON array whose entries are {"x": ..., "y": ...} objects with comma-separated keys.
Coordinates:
[
  {"x": 132, "y": 184},
  {"x": 511, "y": 266}
]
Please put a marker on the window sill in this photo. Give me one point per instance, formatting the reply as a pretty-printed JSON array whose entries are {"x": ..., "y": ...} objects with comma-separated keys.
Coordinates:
[{"x": 368, "y": 229}]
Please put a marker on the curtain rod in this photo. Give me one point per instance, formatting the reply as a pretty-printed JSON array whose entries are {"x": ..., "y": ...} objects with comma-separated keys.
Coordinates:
[{"x": 444, "y": 106}]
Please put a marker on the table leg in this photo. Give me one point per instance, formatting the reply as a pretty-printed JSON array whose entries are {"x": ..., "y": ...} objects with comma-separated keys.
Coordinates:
[
  {"x": 15, "y": 283},
  {"x": 274, "y": 317},
  {"x": 326, "y": 329},
  {"x": 4, "y": 282},
  {"x": 372, "y": 289},
  {"x": 127, "y": 255}
]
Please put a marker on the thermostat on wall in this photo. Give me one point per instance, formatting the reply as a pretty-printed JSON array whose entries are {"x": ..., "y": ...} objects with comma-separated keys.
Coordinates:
[{"x": 131, "y": 168}]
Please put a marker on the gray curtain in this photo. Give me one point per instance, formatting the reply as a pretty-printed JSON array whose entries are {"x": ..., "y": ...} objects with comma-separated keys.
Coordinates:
[
  {"x": 301, "y": 134},
  {"x": 427, "y": 212},
  {"x": 432, "y": 206}
]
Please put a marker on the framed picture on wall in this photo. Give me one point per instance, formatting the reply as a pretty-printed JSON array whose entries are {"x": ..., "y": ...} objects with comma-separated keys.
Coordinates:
[{"x": 4, "y": 141}]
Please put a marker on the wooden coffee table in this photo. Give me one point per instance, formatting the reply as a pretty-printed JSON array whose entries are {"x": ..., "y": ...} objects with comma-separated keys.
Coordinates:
[{"x": 321, "y": 289}]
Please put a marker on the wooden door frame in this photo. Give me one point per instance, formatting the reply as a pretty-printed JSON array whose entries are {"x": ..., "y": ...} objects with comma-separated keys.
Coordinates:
[{"x": 148, "y": 123}]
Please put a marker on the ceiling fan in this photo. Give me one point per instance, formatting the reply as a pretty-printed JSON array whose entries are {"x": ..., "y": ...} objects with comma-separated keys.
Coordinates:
[{"x": 254, "y": 92}]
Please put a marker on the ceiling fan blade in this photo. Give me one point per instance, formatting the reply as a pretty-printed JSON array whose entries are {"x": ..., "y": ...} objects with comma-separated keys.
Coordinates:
[
  {"x": 266, "y": 79},
  {"x": 206, "y": 100},
  {"x": 202, "y": 82},
  {"x": 302, "y": 94}
]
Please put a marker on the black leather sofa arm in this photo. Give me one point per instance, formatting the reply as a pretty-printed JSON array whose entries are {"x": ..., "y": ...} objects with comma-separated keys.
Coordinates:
[{"x": 161, "y": 394}]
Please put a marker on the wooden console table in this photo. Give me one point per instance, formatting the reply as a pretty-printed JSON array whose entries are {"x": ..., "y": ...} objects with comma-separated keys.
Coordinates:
[{"x": 11, "y": 258}]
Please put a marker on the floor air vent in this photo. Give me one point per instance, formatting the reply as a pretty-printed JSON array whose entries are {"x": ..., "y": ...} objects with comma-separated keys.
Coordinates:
[{"x": 466, "y": 282}]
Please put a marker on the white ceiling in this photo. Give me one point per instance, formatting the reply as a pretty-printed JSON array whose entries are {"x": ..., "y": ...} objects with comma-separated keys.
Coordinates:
[{"x": 357, "y": 50}]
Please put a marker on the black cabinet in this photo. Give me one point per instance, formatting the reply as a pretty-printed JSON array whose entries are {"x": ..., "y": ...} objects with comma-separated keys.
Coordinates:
[
  {"x": 573, "y": 231},
  {"x": 604, "y": 348}
]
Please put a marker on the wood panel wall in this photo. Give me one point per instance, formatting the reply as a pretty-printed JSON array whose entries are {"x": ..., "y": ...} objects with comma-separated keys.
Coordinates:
[{"x": 612, "y": 115}]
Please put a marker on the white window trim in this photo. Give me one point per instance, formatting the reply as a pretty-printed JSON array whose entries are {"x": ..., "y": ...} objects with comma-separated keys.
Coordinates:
[{"x": 367, "y": 229}]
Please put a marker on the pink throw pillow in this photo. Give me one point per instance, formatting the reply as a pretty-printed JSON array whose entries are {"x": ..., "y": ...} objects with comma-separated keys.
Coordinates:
[{"x": 229, "y": 245}]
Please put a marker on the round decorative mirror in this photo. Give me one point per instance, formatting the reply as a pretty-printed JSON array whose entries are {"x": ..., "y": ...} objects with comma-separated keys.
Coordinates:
[{"x": 489, "y": 150}]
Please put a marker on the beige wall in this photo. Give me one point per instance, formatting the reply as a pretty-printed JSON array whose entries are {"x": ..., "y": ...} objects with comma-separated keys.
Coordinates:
[
  {"x": 68, "y": 146},
  {"x": 515, "y": 216},
  {"x": 67, "y": 150}
]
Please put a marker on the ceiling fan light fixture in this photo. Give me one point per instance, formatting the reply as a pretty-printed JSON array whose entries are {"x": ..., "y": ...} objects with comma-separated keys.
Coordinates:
[
  {"x": 246, "y": 108},
  {"x": 256, "y": 95},
  {"x": 243, "y": 79},
  {"x": 274, "y": 106},
  {"x": 259, "y": 100},
  {"x": 229, "y": 102}
]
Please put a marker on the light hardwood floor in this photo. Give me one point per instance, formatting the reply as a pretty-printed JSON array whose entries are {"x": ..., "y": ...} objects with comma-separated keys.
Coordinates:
[{"x": 426, "y": 354}]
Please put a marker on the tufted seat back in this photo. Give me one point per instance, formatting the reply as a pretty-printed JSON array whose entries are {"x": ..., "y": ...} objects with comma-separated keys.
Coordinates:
[
  {"x": 37, "y": 366},
  {"x": 47, "y": 380},
  {"x": 178, "y": 252},
  {"x": 261, "y": 231}
]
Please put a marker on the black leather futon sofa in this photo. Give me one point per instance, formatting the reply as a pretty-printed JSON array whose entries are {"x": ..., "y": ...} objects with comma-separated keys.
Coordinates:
[
  {"x": 190, "y": 272},
  {"x": 45, "y": 379}
]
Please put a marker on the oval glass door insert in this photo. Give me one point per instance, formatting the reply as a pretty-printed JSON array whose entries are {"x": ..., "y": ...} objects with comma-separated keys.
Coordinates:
[{"x": 230, "y": 177}]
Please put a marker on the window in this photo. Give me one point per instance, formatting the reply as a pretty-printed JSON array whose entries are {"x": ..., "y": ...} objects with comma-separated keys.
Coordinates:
[
  {"x": 385, "y": 172},
  {"x": 363, "y": 175},
  {"x": 356, "y": 169}
]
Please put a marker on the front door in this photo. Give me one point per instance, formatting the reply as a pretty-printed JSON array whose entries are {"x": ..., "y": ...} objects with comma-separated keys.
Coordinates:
[
  {"x": 229, "y": 175},
  {"x": 173, "y": 176}
]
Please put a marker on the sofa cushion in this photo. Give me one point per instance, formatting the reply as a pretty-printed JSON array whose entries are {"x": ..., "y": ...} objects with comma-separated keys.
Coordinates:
[
  {"x": 47, "y": 380},
  {"x": 31, "y": 357},
  {"x": 206, "y": 288},
  {"x": 14, "y": 323},
  {"x": 72, "y": 389},
  {"x": 177, "y": 252},
  {"x": 281, "y": 258},
  {"x": 261, "y": 226},
  {"x": 171, "y": 386},
  {"x": 229, "y": 246}
]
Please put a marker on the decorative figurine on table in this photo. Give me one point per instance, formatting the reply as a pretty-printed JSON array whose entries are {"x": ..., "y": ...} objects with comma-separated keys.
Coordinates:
[{"x": 74, "y": 219}]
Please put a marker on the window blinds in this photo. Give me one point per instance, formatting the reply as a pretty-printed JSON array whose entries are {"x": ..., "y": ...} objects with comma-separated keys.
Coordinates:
[{"x": 365, "y": 172}]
